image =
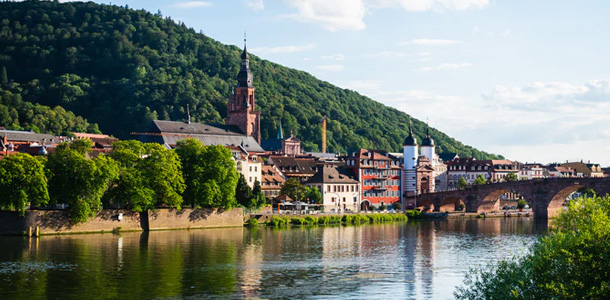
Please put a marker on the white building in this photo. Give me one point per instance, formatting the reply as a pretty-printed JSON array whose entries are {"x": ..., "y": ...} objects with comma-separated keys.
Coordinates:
[
  {"x": 248, "y": 165},
  {"x": 532, "y": 171},
  {"x": 340, "y": 191}
]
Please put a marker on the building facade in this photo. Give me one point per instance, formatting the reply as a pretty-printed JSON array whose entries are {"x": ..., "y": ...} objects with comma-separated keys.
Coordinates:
[
  {"x": 379, "y": 175},
  {"x": 340, "y": 190},
  {"x": 241, "y": 108}
]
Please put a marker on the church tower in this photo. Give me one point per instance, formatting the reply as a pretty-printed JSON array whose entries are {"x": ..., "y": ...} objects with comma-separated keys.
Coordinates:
[{"x": 241, "y": 108}]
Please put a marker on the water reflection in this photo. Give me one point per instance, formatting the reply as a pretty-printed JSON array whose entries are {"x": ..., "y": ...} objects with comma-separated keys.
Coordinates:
[{"x": 418, "y": 260}]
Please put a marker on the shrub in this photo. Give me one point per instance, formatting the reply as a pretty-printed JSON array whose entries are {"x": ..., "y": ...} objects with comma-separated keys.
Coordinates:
[
  {"x": 413, "y": 214},
  {"x": 310, "y": 220},
  {"x": 253, "y": 222},
  {"x": 335, "y": 219},
  {"x": 571, "y": 262},
  {"x": 396, "y": 206},
  {"x": 325, "y": 220},
  {"x": 297, "y": 221}
]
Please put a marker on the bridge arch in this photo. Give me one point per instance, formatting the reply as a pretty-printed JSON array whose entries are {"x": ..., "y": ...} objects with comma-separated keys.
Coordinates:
[
  {"x": 426, "y": 205},
  {"x": 555, "y": 205},
  {"x": 492, "y": 201},
  {"x": 450, "y": 204}
]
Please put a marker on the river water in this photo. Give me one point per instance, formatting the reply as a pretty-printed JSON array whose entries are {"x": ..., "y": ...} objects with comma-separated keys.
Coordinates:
[{"x": 414, "y": 260}]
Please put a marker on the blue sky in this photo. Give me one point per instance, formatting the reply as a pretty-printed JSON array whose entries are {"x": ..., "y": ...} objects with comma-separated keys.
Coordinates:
[{"x": 527, "y": 79}]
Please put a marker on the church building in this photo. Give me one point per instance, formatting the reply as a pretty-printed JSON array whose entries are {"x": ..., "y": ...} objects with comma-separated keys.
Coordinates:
[{"x": 241, "y": 128}]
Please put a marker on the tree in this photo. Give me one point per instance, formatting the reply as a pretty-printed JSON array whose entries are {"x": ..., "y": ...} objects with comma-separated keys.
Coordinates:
[
  {"x": 259, "y": 196},
  {"x": 293, "y": 189},
  {"x": 462, "y": 183},
  {"x": 243, "y": 193},
  {"x": 480, "y": 180},
  {"x": 209, "y": 173},
  {"x": 314, "y": 195},
  {"x": 78, "y": 181},
  {"x": 510, "y": 177},
  {"x": 571, "y": 262},
  {"x": 521, "y": 203},
  {"x": 150, "y": 177},
  {"x": 22, "y": 182},
  {"x": 3, "y": 77}
]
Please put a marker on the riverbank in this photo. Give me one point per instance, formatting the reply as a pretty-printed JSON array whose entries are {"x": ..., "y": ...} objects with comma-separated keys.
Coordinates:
[{"x": 45, "y": 222}]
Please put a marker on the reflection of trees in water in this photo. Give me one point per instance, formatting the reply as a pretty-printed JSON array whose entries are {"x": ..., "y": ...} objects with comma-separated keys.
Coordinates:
[
  {"x": 149, "y": 265},
  {"x": 294, "y": 262}
]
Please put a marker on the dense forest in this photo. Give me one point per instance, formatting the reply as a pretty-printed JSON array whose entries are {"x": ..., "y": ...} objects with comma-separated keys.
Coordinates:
[{"x": 76, "y": 66}]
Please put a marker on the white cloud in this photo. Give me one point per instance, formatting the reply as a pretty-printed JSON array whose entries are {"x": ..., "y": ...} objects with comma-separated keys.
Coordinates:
[
  {"x": 333, "y": 15},
  {"x": 390, "y": 54},
  {"x": 540, "y": 121},
  {"x": 282, "y": 49},
  {"x": 191, "y": 4},
  {"x": 446, "y": 66},
  {"x": 427, "y": 5},
  {"x": 331, "y": 68},
  {"x": 336, "y": 56},
  {"x": 431, "y": 42},
  {"x": 256, "y": 4}
]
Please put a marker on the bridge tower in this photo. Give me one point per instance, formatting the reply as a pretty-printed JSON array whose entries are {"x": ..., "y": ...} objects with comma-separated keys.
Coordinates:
[
  {"x": 428, "y": 150},
  {"x": 409, "y": 172}
]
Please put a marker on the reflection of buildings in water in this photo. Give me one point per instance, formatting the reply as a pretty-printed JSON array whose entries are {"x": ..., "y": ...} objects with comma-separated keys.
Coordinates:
[
  {"x": 340, "y": 246},
  {"x": 251, "y": 260},
  {"x": 408, "y": 242},
  {"x": 426, "y": 246}
]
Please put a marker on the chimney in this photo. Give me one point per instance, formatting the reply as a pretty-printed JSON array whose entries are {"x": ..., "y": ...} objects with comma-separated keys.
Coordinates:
[{"x": 324, "y": 134}]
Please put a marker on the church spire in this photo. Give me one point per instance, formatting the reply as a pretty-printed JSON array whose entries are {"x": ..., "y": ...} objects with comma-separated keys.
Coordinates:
[
  {"x": 280, "y": 133},
  {"x": 244, "y": 78}
]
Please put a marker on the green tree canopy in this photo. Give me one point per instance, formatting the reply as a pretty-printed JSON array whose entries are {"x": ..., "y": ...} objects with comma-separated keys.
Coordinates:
[
  {"x": 243, "y": 193},
  {"x": 480, "y": 180},
  {"x": 258, "y": 195},
  {"x": 510, "y": 177},
  {"x": 151, "y": 176},
  {"x": 293, "y": 189},
  {"x": 462, "y": 183},
  {"x": 22, "y": 182},
  {"x": 571, "y": 262},
  {"x": 210, "y": 174},
  {"x": 314, "y": 195},
  {"x": 78, "y": 181}
]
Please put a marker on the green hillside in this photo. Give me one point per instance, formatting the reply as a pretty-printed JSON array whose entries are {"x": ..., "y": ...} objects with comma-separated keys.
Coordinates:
[{"x": 121, "y": 68}]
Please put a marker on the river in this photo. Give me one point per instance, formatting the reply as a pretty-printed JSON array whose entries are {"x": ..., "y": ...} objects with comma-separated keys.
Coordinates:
[{"x": 414, "y": 260}]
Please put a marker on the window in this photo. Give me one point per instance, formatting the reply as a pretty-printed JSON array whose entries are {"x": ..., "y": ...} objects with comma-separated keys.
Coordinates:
[
  {"x": 343, "y": 199},
  {"x": 355, "y": 199}
]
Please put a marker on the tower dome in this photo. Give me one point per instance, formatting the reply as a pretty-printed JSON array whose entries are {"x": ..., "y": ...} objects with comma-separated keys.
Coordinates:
[
  {"x": 410, "y": 140},
  {"x": 427, "y": 141}
]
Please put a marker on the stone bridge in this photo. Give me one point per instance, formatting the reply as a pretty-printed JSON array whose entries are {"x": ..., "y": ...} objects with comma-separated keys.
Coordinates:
[{"x": 545, "y": 196}]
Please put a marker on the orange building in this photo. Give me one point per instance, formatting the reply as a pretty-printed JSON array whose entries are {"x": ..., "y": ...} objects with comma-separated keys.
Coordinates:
[{"x": 379, "y": 176}]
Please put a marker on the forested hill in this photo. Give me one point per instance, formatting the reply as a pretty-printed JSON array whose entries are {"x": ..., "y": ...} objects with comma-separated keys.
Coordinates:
[{"x": 122, "y": 68}]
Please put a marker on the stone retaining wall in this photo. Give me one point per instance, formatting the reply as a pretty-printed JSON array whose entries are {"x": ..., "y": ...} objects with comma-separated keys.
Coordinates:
[{"x": 58, "y": 221}]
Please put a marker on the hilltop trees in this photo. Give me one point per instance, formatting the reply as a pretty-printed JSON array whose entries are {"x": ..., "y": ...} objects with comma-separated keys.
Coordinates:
[{"x": 122, "y": 68}]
